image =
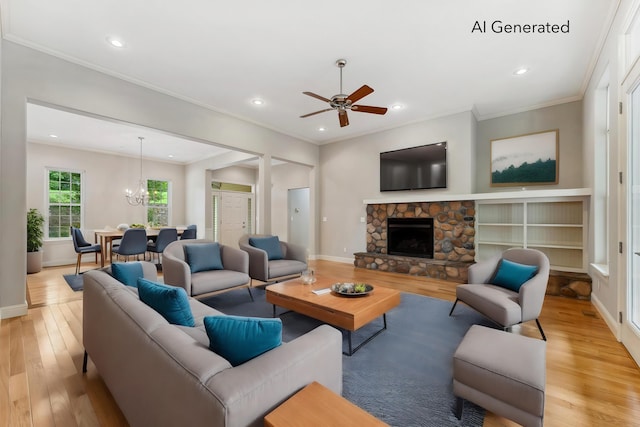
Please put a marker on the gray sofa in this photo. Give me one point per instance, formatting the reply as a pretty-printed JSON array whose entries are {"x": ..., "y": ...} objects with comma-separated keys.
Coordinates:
[
  {"x": 165, "y": 375},
  {"x": 176, "y": 271}
]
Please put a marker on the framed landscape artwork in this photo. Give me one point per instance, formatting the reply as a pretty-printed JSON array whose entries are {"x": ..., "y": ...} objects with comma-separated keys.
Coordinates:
[{"x": 530, "y": 159}]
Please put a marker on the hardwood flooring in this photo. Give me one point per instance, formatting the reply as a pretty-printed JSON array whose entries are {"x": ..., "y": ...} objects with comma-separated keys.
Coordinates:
[{"x": 591, "y": 379}]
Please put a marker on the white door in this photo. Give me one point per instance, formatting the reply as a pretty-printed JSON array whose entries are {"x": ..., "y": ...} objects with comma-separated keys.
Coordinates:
[
  {"x": 631, "y": 264},
  {"x": 298, "y": 209},
  {"x": 235, "y": 216}
]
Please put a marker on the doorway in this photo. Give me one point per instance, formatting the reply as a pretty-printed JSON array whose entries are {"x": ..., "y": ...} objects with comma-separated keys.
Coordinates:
[
  {"x": 298, "y": 210},
  {"x": 233, "y": 216}
]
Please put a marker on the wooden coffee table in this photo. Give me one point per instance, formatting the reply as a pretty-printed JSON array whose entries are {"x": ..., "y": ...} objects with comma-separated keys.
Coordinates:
[
  {"x": 347, "y": 313},
  {"x": 316, "y": 405}
]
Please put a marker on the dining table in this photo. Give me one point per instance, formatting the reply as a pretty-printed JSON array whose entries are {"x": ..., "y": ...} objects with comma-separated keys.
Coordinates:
[{"x": 106, "y": 237}]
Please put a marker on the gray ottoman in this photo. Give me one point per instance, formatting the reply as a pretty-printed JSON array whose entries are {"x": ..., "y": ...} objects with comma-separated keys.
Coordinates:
[{"x": 501, "y": 372}]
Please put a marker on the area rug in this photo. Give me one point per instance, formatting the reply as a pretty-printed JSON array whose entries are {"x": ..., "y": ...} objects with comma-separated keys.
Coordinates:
[
  {"x": 75, "y": 281},
  {"x": 404, "y": 375}
]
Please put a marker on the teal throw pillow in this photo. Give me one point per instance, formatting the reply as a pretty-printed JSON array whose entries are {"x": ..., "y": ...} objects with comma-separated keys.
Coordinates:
[
  {"x": 512, "y": 275},
  {"x": 127, "y": 272},
  {"x": 239, "y": 339},
  {"x": 203, "y": 257},
  {"x": 170, "y": 301},
  {"x": 271, "y": 245}
]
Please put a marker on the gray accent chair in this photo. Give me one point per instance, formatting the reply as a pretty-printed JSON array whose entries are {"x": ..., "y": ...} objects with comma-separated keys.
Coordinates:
[
  {"x": 503, "y": 306},
  {"x": 260, "y": 268},
  {"x": 178, "y": 273}
]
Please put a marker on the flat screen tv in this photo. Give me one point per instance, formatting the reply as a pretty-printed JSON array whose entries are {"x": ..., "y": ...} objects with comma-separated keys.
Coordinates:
[{"x": 415, "y": 168}]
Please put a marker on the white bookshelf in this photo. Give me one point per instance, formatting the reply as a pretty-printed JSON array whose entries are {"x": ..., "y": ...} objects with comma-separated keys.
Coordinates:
[{"x": 557, "y": 226}]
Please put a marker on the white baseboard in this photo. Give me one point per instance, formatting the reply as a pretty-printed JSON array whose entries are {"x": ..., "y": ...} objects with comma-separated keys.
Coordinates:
[
  {"x": 611, "y": 322},
  {"x": 59, "y": 262},
  {"x": 335, "y": 259},
  {"x": 13, "y": 311}
]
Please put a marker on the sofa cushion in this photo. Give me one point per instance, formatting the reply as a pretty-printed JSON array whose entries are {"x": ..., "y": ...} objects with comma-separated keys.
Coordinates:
[
  {"x": 512, "y": 275},
  {"x": 127, "y": 272},
  {"x": 239, "y": 339},
  {"x": 170, "y": 301},
  {"x": 203, "y": 257},
  {"x": 216, "y": 280},
  {"x": 271, "y": 245}
]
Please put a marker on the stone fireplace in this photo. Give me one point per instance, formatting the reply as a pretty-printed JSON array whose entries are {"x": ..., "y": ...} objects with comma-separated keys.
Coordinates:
[
  {"x": 410, "y": 237},
  {"x": 453, "y": 234}
]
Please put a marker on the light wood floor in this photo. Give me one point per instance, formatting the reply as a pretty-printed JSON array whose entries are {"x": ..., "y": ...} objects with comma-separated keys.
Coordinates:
[{"x": 591, "y": 379}]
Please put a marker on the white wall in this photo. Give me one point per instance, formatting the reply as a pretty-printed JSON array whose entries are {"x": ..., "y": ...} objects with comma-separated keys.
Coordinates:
[
  {"x": 349, "y": 173},
  {"x": 565, "y": 117},
  {"x": 105, "y": 178},
  {"x": 31, "y": 75}
]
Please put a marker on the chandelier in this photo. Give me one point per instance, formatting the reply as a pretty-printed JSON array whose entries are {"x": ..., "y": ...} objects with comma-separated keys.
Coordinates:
[{"x": 139, "y": 196}]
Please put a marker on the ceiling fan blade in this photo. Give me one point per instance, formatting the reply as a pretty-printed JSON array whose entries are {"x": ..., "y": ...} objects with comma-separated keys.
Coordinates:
[
  {"x": 368, "y": 109},
  {"x": 313, "y": 95},
  {"x": 316, "y": 112},
  {"x": 359, "y": 94},
  {"x": 344, "y": 120}
]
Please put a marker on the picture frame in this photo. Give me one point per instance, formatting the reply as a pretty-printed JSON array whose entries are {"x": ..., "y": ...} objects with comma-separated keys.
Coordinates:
[{"x": 529, "y": 159}]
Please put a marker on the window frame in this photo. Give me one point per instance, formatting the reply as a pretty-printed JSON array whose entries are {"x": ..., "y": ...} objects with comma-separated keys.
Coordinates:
[
  {"x": 168, "y": 205},
  {"x": 48, "y": 205}
]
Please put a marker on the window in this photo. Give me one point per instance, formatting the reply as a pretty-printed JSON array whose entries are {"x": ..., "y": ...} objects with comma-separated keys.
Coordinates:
[
  {"x": 158, "y": 207},
  {"x": 64, "y": 202},
  {"x": 601, "y": 212}
]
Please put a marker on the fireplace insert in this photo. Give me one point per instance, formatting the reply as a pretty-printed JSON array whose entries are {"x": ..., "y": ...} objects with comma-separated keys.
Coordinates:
[{"x": 410, "y": 237}]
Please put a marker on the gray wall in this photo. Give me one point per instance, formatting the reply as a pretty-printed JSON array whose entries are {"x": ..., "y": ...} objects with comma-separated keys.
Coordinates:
[
  {"x": 350, "y": 173},
  {"x": 565, "y": 117}
]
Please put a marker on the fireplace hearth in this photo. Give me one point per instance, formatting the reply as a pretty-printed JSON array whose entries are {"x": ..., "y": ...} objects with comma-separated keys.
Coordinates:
[{"x": 410, "y": 237}]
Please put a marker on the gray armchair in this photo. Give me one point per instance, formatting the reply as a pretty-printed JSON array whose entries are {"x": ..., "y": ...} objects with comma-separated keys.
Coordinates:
[
  {"x": 177, "y": 272},
  {"x": 292, "y": 263},
  {"x": 501, "y": 305}
]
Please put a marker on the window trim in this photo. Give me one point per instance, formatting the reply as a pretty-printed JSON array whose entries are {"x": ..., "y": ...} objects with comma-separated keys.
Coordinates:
[{"x": 47, "y": 209}]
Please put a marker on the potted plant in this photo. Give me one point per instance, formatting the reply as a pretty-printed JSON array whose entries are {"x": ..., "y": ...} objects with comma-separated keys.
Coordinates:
[{"x": 35, "y": 234}]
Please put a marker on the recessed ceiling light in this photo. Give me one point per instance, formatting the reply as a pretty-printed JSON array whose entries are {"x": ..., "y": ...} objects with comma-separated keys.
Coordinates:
[
  {"x": 322, "y": 129},
  {"x": 52, "y": 135},
  {"x": 397, "y": 107},
  {"x": 520, "y": 71},
  {"x": 170, "y": 156},
  {"x": 257, "y": 101},
  {"x": 115, "y": 42}
]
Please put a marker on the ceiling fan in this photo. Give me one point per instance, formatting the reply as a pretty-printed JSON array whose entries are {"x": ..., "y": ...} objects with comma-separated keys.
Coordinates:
[{"x": 342, "y": 103}]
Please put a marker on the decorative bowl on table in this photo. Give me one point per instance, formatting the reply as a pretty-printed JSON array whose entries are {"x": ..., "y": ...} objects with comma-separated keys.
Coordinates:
[{"x": 352, "y": 289}]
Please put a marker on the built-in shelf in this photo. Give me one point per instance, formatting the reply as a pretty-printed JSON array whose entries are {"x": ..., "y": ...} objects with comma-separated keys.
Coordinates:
[{"x": 556, "y": 225}]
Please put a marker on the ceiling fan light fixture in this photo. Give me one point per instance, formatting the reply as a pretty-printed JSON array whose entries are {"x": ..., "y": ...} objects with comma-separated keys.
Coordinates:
[{"x": 343, "y": 103}]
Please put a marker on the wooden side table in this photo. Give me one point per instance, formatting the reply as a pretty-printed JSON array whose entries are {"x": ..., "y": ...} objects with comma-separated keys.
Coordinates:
[{"x": 317, "y": 406}]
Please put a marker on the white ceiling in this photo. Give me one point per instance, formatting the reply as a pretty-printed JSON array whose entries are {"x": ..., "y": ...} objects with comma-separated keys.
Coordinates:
[{"x": 418, "y": 53}]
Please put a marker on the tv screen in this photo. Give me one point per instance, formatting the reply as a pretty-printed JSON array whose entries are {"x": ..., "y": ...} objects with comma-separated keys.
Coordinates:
[{"x": 415, "y": 168}]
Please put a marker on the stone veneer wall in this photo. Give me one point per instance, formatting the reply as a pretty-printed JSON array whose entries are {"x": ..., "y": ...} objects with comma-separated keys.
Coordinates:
[{"x": 453, "y": 235}]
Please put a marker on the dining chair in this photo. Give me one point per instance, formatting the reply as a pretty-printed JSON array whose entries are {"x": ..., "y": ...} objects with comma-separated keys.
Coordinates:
[
  {"x": 81, "y": 246},
  {"x": 134, "y": 242},
  {"x": 165, "y": 236},
  {"x": 190, "y": 233}
]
